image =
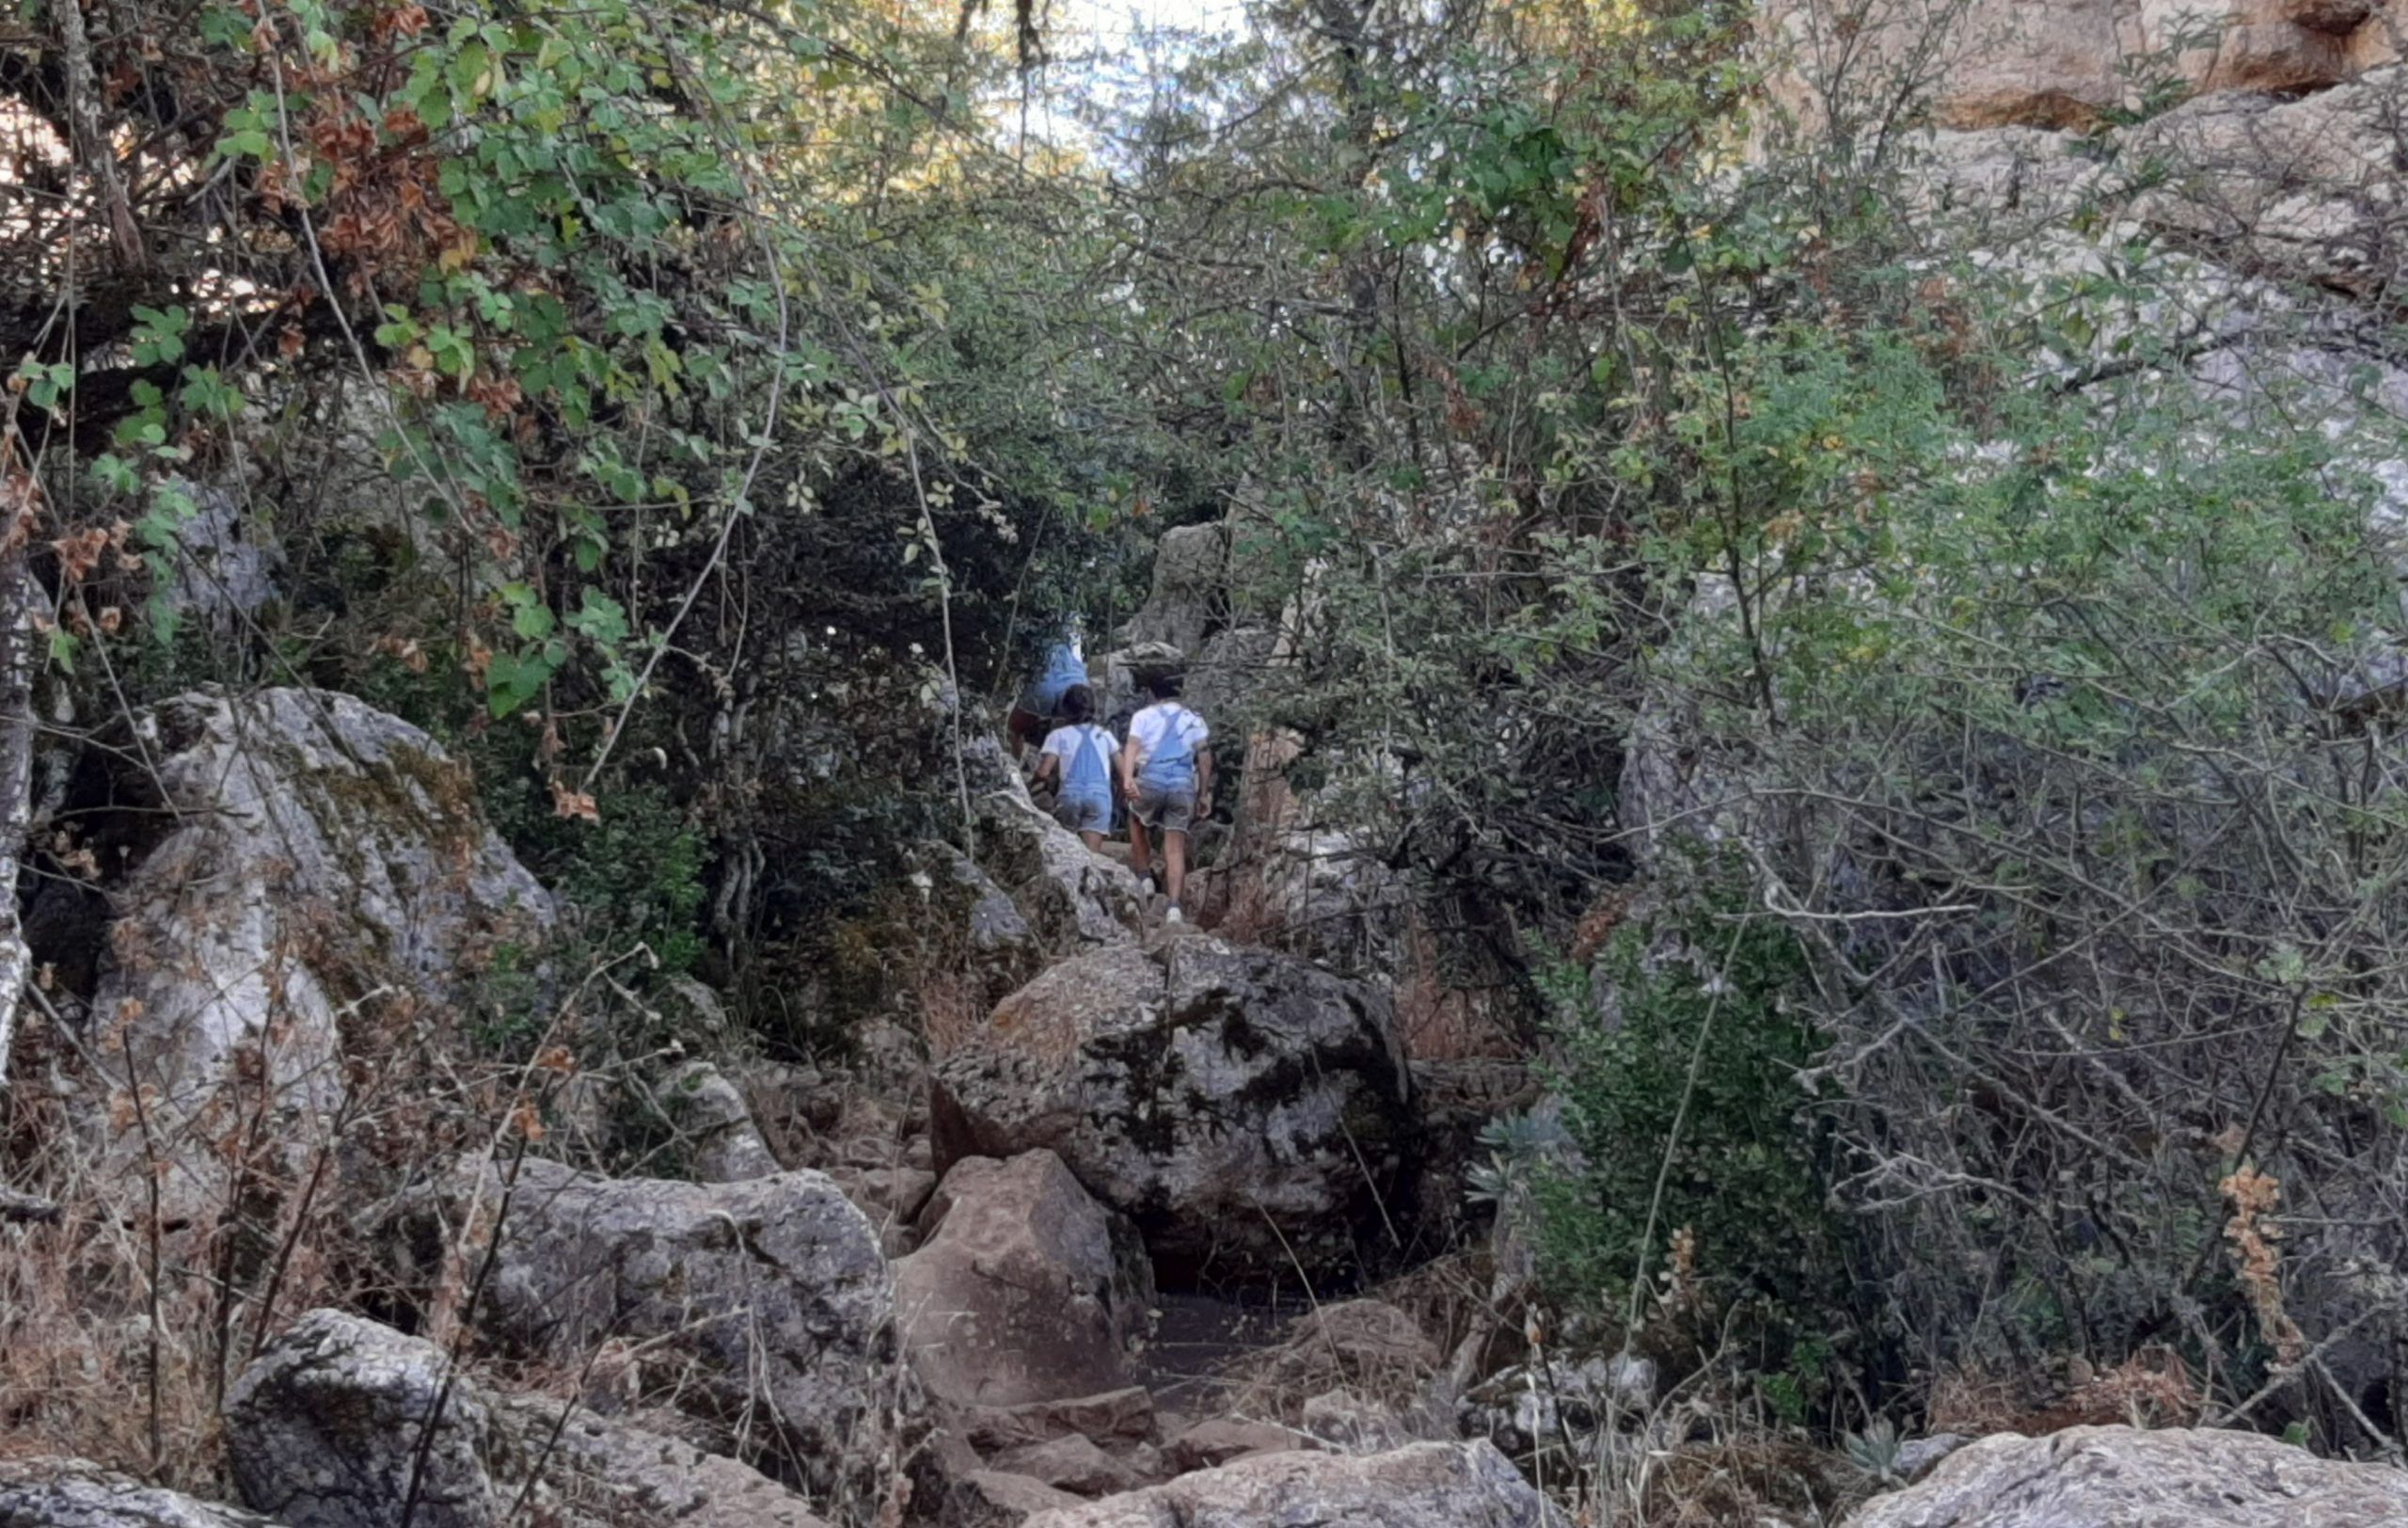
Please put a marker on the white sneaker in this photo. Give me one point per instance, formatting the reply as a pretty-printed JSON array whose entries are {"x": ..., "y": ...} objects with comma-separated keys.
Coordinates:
[{"x": 1174, "y": 915}]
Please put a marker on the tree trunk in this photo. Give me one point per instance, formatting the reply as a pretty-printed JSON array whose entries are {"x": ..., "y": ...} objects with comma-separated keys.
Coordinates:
[{"x": 19, "y": 650}]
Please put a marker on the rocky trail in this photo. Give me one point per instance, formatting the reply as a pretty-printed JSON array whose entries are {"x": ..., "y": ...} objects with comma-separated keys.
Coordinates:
[{"x": 1150, "y": 1227}]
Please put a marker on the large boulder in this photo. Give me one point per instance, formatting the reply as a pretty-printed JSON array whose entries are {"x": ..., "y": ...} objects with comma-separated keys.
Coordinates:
[
  {"x": 74, "y": 1493},
  {"x": 2178, "y": 1478},
  {"x": 1426, "y": 1486},
  {"x": 1250, "y": 1112},
  {"x": 762, "y": 1310},
  {"x": 274, "y": 862},
  {"x": 333, "y": 1423},
  {"x": 1026, "y": 1288}
]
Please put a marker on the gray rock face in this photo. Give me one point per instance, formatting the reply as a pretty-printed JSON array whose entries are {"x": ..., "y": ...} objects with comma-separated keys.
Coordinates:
[
  {"x": 1003, "y": 946},
  {"x": 763, "y": 1309},
  {"x": 2176, "y": 1478},
  {"x": 1025, "y": 1290},
  {"x": 319, "y": 850},
  {"x": 72, "y": 1493},
  {"x": 1190, "y": 562},
  {"x": 328, "y": 1426},
  {"x": 1069, "y": 898},
  {"x": 1249, "y": 1112},
  {"x": 1427, "y": 1486}
]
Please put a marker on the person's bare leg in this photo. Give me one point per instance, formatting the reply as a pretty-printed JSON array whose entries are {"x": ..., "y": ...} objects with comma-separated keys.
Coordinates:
[
  {"x": 1141, "y": 853},
  {"x": 1093, "y": 841},
  {"x": 1175, "y": 865}
]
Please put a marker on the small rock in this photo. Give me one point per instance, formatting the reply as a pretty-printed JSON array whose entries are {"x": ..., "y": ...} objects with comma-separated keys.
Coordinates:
[
  {"x": 76, "y": 1493},
  {"x": 1350, "y": 1425},
  {"x": 719, "y": 1141},
  {"x": 1917, "y": 1457}
]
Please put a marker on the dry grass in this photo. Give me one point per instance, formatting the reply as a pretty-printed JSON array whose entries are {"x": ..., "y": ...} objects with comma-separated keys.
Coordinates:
[{"x": 951, "y": 1006}]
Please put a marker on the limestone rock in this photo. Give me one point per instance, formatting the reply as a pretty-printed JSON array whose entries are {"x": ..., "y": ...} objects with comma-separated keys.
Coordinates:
[
  {"x": 326, "y": 1428},
  {"x": 718, "y": 1138},
  {"x": 1245, "y": 1108},
  {"x": 763, "y": 1309},
  {"x": 286, "y": 856},
  {"x": 73, "y": 1494},
  {"x": 1427, "y": 1486},
  {"x": 2067, "y": 63},
  {"x": 1002, "y": 945},
  {"x": 1190, "y": 563},
  {"x": 2178, "y": 1478},
  {"x": 2305, "y": 189},
  {"x": 1026, "y": 1288},
  {"x": 1071, "y": 899}
]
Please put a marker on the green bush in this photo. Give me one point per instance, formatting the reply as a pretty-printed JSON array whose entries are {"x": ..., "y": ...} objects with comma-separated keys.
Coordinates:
[{"x": 1685, "y": 1109}]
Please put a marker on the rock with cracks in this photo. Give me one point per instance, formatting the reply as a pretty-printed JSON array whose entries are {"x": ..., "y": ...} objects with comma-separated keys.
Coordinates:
[
  {"x": 1070, "y": 900},
  {"x": 1249, "y": 1112},
  {"x": 2178, "y": 1478},
  {"x": 1427, "y": 1486},
  {"x": 329, "y": 1429},
  {"x": 288, "y": 859},
  {"x": 74, "y": 1493},
  {"x": 762, "y": 1310},
  {"x": 1026, "y": 1289}
]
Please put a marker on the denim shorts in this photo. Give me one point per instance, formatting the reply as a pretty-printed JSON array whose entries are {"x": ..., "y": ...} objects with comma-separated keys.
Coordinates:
[
  {"x": 1165, "y": 808},
  {"x": 1085, "y": 814}
]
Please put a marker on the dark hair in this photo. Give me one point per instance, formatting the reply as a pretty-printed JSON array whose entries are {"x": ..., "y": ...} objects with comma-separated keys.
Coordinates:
[
  {"x": 1165, "y": 686},
  {"x": 1078, "y": 705}
]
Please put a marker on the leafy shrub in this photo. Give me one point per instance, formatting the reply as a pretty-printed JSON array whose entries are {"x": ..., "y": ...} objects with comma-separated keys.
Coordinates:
[{"x": 1685, "y": 1104}]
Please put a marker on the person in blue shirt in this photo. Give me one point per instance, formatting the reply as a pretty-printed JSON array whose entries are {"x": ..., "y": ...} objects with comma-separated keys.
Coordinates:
[
  {"x": 1064, "y": 668},
  {"x": 1077, "y": 759},
  {"x": 1167, "y": 768}
]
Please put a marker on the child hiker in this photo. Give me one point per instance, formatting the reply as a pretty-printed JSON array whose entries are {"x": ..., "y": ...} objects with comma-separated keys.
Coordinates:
[
  {"x": 1167, "y": 768},
  {"x": 1077, "y": 759}
]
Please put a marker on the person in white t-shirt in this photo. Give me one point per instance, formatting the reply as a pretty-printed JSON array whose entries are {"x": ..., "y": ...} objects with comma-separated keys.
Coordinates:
[
  {"x": 1078, "y": 760},
  {"x": 1166, "y": 771}
]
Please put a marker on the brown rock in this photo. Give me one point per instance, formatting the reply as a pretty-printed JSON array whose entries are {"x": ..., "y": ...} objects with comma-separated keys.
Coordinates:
[
  {"x": 1124, "y": 1415},
  {"x": 1992, "y": 63},
  {"x": 1025, "y": 1290},
  {"x": 1210, "y": 1444},
  {"x": 1072, "y": 1464},
  {"x": 991, "y": 1498}
]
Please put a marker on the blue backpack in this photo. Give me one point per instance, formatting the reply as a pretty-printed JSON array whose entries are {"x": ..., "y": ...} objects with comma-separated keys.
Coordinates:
[
  {"x": 1172, "y": 764},
  {"x": 1087, "y": 779}
]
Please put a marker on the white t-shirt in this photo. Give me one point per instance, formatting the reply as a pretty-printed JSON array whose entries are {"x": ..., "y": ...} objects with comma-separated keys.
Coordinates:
[
  {"x": 1152, "y": 726},
  {"x": 1063, "y": 744}
]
